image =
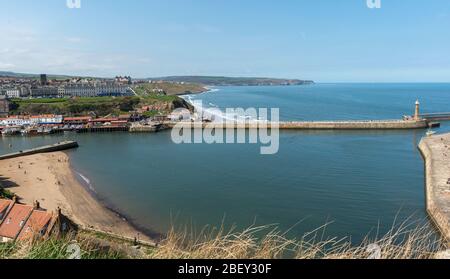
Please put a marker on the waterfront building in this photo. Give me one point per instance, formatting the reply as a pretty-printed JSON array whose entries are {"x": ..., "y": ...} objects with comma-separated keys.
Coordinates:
[
  {"x": 49, "y": 119},
  {"x": 32, "y": 120},
  {"x": 83, "y": 120},
  {"x": 4, "y": 106},
  {"x": 16, "y": 121},
  {"x": 109, "y": 121},
  {"x": 44, "y": 91}
]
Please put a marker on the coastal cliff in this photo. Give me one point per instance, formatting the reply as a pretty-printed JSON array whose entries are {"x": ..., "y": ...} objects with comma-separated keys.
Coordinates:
[
  {"x": 236, "y": 81},
  {"x": 100, "y": 106}
]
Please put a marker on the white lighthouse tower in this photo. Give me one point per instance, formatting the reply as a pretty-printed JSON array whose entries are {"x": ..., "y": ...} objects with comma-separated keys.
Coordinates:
[{"x": 417, "y": 111}]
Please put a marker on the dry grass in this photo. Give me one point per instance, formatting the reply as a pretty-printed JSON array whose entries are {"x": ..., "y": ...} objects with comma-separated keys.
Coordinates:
[
  {"x": 406, "y": 241},
  {"x": 67, "y": 247}
]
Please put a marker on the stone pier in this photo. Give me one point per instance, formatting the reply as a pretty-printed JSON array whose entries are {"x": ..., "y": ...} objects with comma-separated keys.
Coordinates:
[
  {"x": 60, "y": 146},
  {"x": 436, "y": 153},
  {"x": 312, "y": 125}
]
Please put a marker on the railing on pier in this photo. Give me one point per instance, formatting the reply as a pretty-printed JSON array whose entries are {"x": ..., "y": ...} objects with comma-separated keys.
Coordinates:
[
  {"x": 436, "y": 116},
  {"x": 102, "y": 129}
]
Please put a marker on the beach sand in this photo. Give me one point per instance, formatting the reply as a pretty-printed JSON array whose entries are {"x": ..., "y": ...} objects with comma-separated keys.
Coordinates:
[{"x": 48, "y": 178}]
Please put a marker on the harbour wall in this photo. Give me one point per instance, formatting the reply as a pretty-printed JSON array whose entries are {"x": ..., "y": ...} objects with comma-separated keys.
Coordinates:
[
  {"x": 60, "y": 146},
  {"x": 435, "y": 151},
  {"x": 311, "y": 125}
]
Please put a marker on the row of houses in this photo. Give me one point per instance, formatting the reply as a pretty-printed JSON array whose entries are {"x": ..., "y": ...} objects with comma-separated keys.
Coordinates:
[
  {"x": 20, "y": 222},
  {"x": 49, "y": 119},
  {"x": 68, "y": 90},
  {"x": 82, "y": 90},
  {"x": 59, "y": 120},
  {"x": 4, "y": 106}
]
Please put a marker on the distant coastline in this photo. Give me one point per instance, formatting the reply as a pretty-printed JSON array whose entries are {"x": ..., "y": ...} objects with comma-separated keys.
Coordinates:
[{"x": 235, "y": 81}]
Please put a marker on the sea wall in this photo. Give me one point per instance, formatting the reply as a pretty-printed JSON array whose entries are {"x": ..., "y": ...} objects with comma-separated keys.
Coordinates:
[
  {"x": 316, "y": 125},
  {"x": 60, "y": 146},
  {"x": 142, "y": 129},
  {"x": 436, "y": 152}
]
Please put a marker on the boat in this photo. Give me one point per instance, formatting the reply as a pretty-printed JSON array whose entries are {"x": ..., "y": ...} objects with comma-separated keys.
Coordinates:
[
  {"x": 11, "y": 131},
  {"x": 430, "y": 133},
  {"x": 30, "y": 131},
  {"x": 45, "y": 131}
]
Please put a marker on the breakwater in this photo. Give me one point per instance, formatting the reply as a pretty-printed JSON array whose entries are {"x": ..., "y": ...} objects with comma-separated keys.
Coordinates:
[
  {"x": 312, "y": 125},
  {"x": 436, "y": 153},
  {"x": 60, "y": 146},
  {"x": 148, "y": 128},
  {"x": 106, "y": 129}
]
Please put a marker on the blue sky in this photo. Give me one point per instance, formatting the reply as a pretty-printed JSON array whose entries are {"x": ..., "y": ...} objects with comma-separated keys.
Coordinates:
[{"x": 323, "y": 40}]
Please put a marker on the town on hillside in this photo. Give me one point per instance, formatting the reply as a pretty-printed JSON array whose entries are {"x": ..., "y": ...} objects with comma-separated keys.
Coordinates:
[{"x": 34, "y": 106}]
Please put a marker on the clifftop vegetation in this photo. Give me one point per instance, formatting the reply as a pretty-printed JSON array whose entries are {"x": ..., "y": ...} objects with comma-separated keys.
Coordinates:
[
  {"x": 101, "y": 106},
  {"x": 266, "y": 242},
  {"x": 169, "y": 88}
]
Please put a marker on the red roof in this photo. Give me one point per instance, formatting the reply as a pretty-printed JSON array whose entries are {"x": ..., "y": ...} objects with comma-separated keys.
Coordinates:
[
  {"x": 36, "y": 224},
  {"x": 43, "y": 116},
  {"x": 15, "y": 220},
  {"x": 104, "y": 119},
  {"x": 4, "y": 204},
  {"x": 83, "y": 118}
]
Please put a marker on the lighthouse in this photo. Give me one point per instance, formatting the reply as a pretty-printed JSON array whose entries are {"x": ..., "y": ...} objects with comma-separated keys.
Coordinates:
[{"x": 417, "y": 111}]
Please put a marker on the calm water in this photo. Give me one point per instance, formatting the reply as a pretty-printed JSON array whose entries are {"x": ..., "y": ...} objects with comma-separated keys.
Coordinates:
[{"x": 358, "y": 180}]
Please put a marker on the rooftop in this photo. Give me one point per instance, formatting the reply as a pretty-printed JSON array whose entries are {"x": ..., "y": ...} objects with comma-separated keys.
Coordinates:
[
  {"x": 4, "y": 204},
  {"x": 15, "y": 220},
  {"x": 36, "y": 224},
  {"x": 22, "y": 221}
]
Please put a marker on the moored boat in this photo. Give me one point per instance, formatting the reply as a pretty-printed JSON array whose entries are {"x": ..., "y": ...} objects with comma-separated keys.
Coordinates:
[
  {"x": 30, "y": 131},
  {"x": 11, "y": 131}
]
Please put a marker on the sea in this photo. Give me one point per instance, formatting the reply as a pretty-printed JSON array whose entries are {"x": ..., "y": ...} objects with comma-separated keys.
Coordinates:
[{"x": 345, "y": 184}]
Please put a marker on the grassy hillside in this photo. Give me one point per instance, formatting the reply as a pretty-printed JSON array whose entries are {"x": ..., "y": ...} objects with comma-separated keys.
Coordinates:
[
  {"x": 99, "y": 105},
  {"x": 169, "y": 88}
]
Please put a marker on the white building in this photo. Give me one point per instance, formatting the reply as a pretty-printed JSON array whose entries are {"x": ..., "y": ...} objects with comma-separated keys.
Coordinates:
[
  {"x": 112, "y": 90},
  {"x": 13, "y": 93},
  {"x": 15, "y": 121},
  {"x": 78, "y": 90},
  {"x": 84, "y": 90},
  {"x": 44, "y": 91},
  {"x": 46, "y": 119}
]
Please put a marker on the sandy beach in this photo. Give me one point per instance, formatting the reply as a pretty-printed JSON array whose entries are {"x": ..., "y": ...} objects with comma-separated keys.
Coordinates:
[{"x": 48, "y": 178}]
